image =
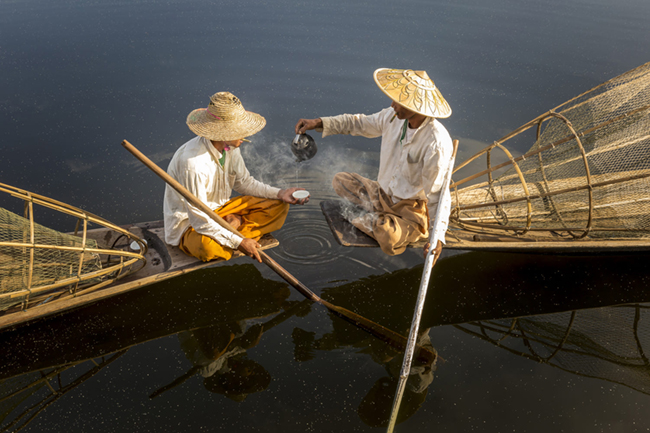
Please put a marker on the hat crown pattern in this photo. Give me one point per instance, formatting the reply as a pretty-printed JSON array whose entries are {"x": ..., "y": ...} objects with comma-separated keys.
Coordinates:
[
  {"x": 419, "y": 79},
  {"x": 413, "y": 90},
  {"x": 224, "y": 119},
  {"x": 226, "y": 106}
]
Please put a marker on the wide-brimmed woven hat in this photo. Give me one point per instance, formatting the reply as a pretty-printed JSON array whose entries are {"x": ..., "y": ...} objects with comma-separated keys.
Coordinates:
[
  {"x": 413, "y": 90},
  {"x": 225, "y": 119}
]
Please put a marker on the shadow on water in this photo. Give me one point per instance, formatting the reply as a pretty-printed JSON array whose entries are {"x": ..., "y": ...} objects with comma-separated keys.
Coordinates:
[
  {"x": 213, "y": 299},
  {"x": 212, "y": 319},
  {"x": 560, "y": 294},
  {"x": 478, "y": 286},
  {"x": 543, "y": 308}
]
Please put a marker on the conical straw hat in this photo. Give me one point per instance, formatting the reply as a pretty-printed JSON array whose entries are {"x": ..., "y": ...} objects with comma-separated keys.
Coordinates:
[
  {"x": 225, "y": 119},
  {"x": 413, "y": 90}
]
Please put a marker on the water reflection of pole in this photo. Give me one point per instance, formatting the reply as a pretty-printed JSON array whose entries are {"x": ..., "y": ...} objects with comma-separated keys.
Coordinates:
[{"x": 417, "y": 314}]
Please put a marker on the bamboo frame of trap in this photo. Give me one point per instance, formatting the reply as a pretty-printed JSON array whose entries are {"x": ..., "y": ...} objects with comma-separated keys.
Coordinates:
[
  {"x": 127, "y": 261},
  {"x": 589, "y": 182}
]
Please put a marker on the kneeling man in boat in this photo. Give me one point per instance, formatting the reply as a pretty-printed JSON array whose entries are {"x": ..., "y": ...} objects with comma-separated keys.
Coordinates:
[
  {"x": 210, "y": 166},
  {"x": 416, "y": 155}
]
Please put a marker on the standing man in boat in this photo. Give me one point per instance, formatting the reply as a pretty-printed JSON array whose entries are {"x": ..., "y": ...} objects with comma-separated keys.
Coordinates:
[
  {"x": 210, "y": 166},
  {"x": 416, "y": 153}
]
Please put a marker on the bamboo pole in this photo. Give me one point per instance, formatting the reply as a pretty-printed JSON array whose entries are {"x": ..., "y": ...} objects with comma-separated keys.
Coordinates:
[
  {"x": 82, "y": 253},
  {"x": 393, "y": 338},
  {"x": 32, "y": 240},
  {"x": 422, "y": 294}
]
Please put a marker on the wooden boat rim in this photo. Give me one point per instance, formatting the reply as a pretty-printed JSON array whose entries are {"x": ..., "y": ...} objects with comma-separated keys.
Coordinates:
[
  {"x": 348, "y": 236},
  {"x": 111, "y": 288}
]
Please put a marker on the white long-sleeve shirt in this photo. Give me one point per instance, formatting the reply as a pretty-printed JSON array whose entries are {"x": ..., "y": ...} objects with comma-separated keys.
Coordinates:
[
  {"x": 411, "y": 169},
  {"x": 195, "y": 166}
]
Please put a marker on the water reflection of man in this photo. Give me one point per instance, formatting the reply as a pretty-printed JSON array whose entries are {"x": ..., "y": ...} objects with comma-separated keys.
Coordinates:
[
  {"x": 219, "y": 352},
  {"x": 414, "y": 159},
  {"x": 210, "y": 166},
  {"x": 219, "y": 355}
]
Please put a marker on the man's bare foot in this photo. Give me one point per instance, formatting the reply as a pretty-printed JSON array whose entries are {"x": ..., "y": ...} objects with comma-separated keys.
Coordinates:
[{"x": 233, "y": 220}]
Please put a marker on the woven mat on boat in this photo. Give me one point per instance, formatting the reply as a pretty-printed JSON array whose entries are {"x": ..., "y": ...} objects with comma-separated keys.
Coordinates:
[{"x": 345, "y": 233}]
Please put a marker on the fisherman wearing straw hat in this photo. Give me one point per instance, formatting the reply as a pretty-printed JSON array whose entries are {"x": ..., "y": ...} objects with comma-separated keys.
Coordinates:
[
  {"x": 416, "y": 153},
  {"x": 210, "y": 166}
]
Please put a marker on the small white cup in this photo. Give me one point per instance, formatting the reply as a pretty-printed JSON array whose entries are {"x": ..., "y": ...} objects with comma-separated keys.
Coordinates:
[{"x": 300, "y": 194}]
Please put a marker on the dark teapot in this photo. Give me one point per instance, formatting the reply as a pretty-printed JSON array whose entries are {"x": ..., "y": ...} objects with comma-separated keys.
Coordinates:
[{"x": 304, "y": 147}]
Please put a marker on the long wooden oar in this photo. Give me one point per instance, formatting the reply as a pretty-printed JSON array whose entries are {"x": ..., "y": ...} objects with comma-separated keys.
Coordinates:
[
  {"x": 419, "y": 306},
  {"x": 393, "y": 338}
]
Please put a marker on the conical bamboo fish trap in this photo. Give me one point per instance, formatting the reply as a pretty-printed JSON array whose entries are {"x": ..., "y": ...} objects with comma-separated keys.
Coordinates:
[
  {"x": 38, "y": 264},
  {"x": 585, "y": 182}
]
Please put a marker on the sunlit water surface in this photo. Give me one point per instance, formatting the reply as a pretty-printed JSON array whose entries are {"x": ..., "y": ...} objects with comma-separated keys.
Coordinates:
[{"x": 524, "y": 343}]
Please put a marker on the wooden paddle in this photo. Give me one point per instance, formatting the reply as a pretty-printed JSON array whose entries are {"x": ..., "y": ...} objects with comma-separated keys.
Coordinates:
[{"x": 394, "y": 339}]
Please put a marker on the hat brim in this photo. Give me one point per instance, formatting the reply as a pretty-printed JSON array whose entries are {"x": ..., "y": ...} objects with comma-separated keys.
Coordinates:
[
  {"x": 426, "y": 101},
  {"x": 204, "y": 124}
]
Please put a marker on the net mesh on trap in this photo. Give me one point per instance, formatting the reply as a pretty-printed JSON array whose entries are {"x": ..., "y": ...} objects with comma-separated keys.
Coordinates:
[
  {"x": 604, "y": 343},
  {"x": 23, "y": 267},
  {"x": 39, "y": 264},
  {"x": 587, "y": 174}
]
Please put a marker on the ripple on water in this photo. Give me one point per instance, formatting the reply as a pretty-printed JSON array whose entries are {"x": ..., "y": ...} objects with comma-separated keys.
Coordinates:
[{"x": 307, "y": 242}]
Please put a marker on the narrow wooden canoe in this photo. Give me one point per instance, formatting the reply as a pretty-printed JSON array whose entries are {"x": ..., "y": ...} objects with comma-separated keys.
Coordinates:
[{"x": 163, "y": 262}]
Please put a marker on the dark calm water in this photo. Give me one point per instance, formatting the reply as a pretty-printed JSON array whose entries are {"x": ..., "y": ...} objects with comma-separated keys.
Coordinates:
[{"x": 78, "y": 77}]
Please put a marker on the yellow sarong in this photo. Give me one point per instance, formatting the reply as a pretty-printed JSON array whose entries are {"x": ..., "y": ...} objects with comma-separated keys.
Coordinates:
[{"x": 259, "y": 216}]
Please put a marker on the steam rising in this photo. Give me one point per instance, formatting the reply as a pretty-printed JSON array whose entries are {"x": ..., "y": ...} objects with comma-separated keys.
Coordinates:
[{"x": 272, "y": 162}]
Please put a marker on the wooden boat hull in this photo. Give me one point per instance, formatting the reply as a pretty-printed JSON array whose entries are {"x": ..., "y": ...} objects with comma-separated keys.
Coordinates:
[
  {"x": 163, "y": 262},
  {"x": 464, "y": 240},
  {"x": 349, "y": 236}
]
